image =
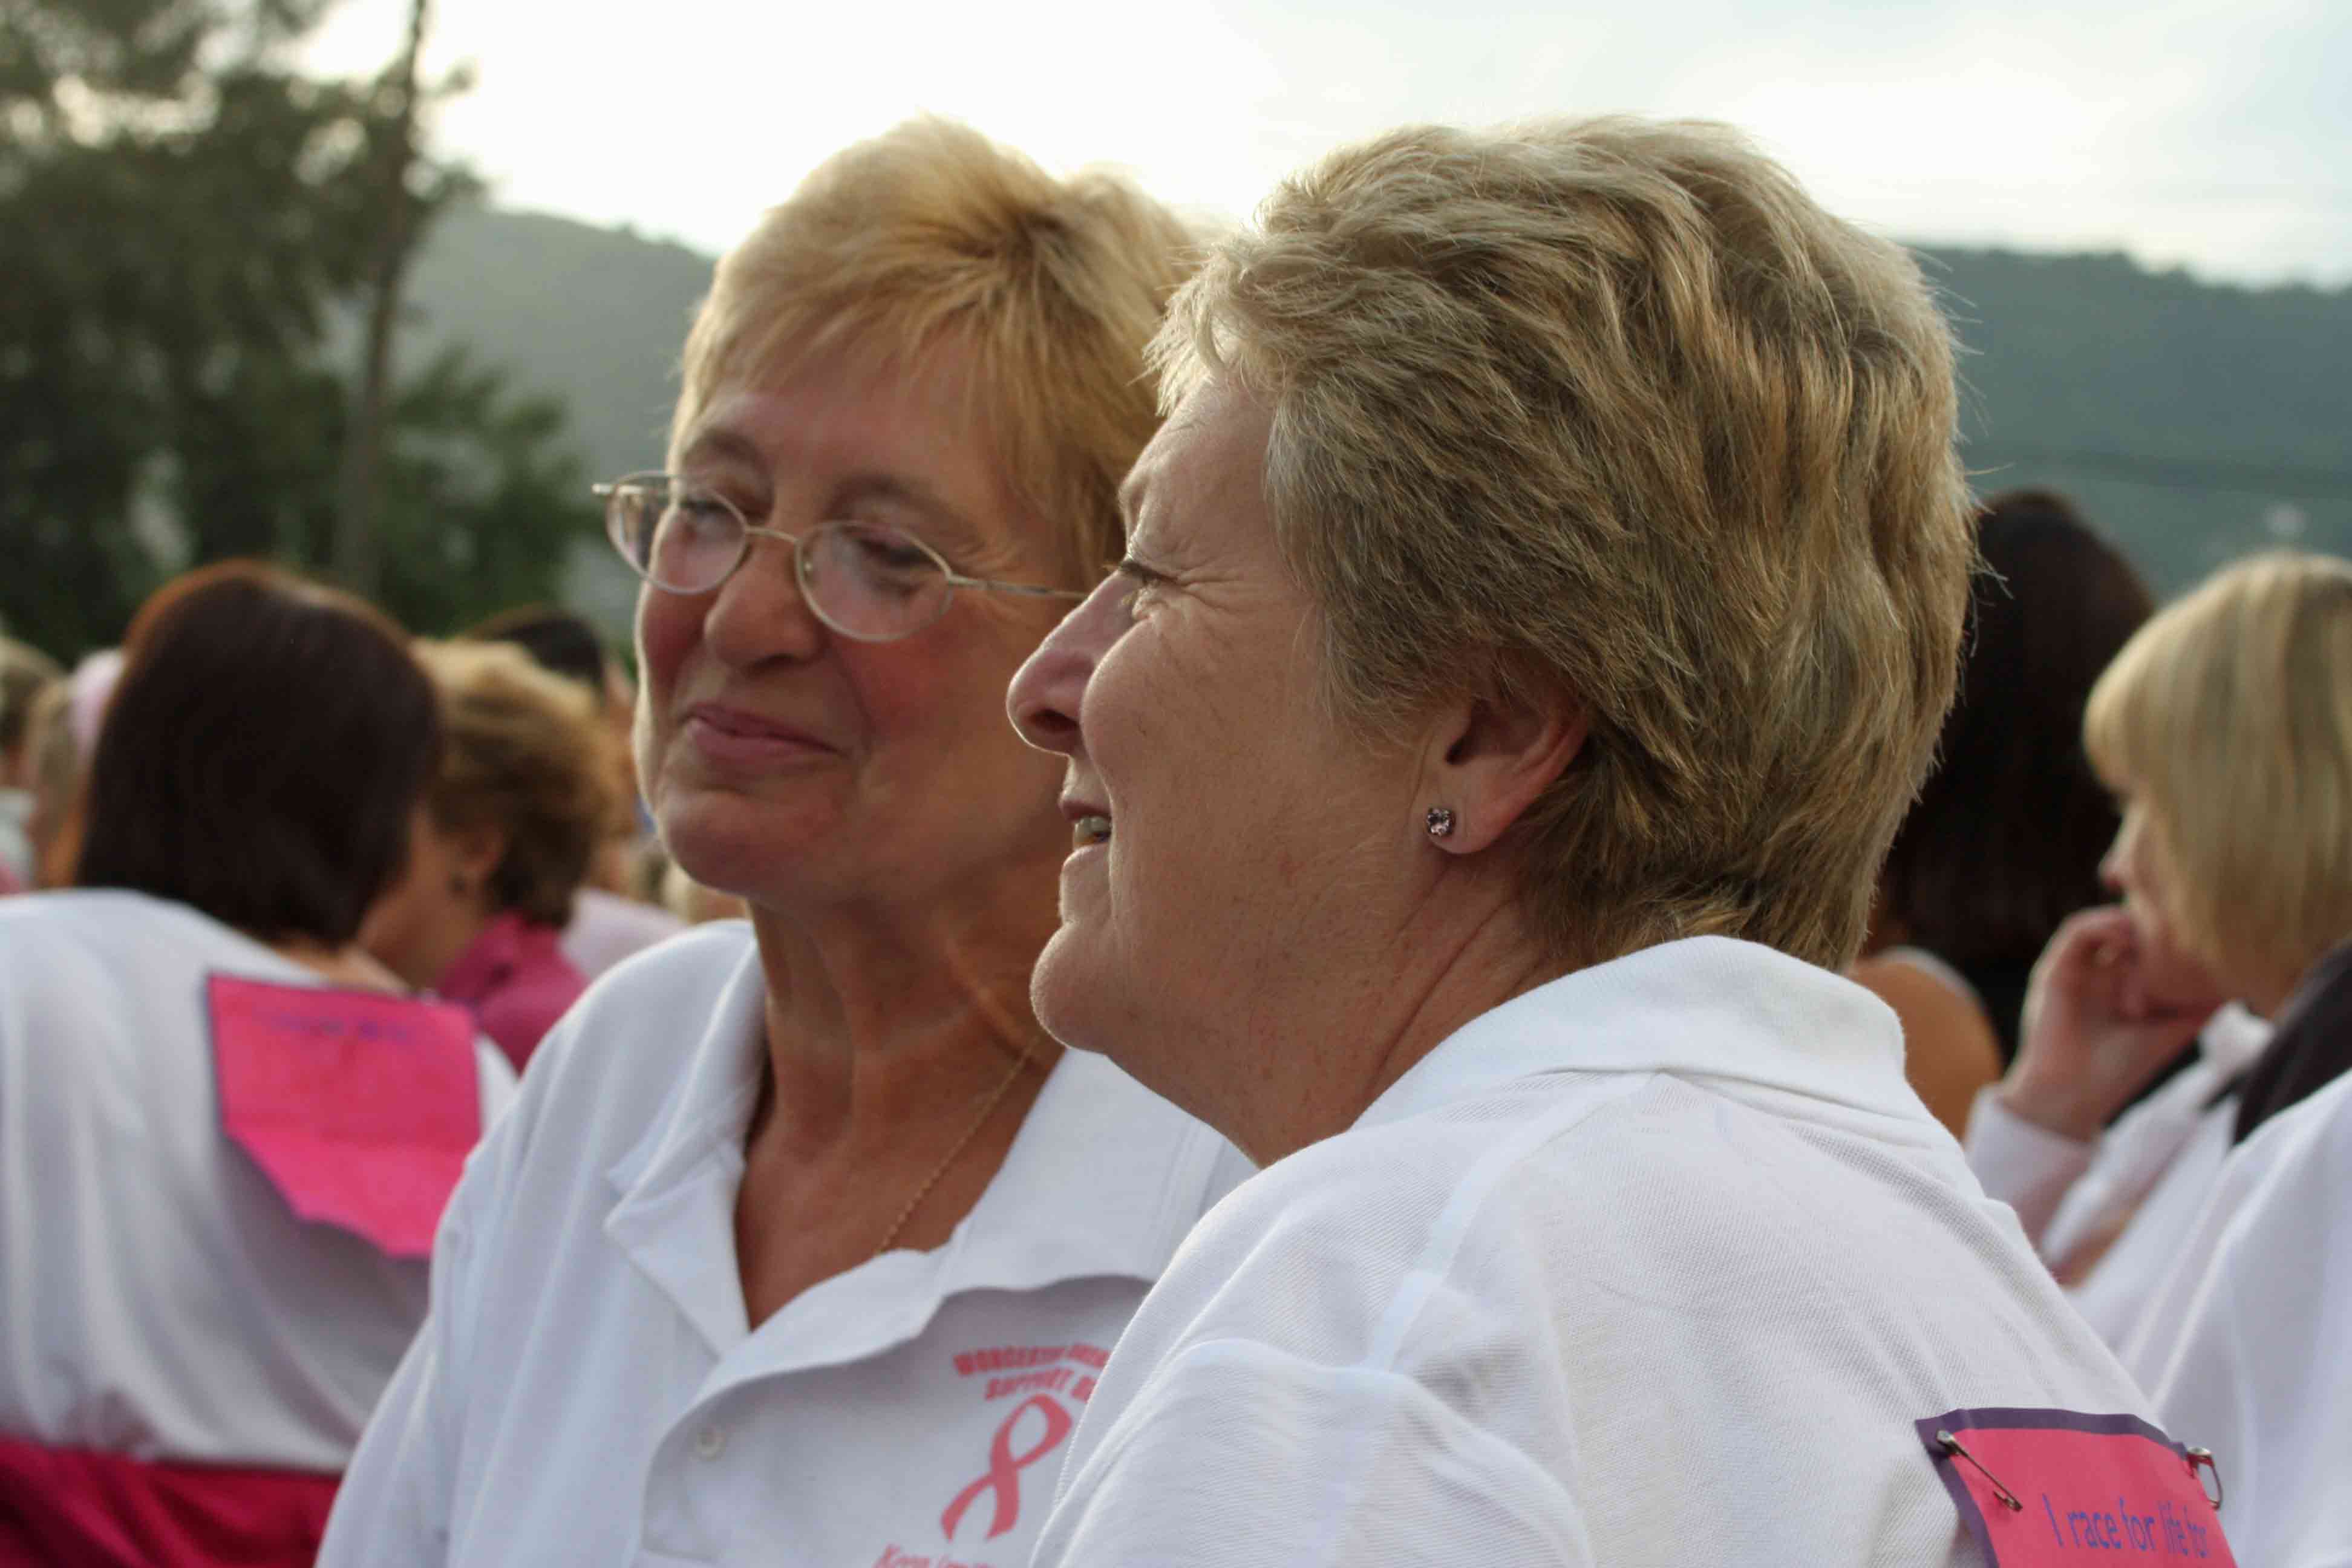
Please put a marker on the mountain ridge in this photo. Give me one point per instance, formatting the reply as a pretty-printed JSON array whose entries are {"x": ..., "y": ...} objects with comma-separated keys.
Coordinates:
[{"x": 2192, "y": 420}]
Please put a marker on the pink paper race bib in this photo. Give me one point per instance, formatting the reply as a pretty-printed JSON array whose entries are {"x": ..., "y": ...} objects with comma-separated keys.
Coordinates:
[
  {"x": 2049, "y": 1488},
  {"x": 360, "y": 1107}
]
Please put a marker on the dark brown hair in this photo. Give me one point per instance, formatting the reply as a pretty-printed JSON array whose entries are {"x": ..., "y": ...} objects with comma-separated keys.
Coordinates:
[
  {"x": 2005, "y": 840},
  {"x": 261, "y": 757}
]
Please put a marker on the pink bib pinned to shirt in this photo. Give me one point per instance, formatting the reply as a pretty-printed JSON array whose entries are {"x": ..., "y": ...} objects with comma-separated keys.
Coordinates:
[{"x": 360, "y": 1107}]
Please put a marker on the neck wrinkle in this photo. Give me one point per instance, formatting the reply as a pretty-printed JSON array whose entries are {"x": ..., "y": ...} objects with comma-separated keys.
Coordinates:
[{"x": 877, "y": 1035}]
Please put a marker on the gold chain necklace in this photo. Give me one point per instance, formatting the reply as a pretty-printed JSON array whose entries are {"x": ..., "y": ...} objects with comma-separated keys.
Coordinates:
[{"x": 995, "y": 1099}]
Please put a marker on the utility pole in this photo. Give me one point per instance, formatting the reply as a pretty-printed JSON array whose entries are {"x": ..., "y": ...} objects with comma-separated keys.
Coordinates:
[{"x": 354, "y": 558}]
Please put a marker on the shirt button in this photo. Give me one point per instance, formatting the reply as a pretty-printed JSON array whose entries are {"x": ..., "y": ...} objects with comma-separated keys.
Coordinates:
[{"x": 709, "y": 1443}]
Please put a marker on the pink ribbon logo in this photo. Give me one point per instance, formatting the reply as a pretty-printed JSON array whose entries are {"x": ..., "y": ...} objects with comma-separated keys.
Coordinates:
[{"x": 1005, "y": 1467}]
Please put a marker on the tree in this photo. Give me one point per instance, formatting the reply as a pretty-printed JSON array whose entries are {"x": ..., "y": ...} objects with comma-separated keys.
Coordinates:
[{"x": 186, "y": 235}]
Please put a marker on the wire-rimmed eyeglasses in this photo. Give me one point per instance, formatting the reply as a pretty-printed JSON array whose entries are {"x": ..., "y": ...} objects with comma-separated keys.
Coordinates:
[{"x": 866, "y": 580}]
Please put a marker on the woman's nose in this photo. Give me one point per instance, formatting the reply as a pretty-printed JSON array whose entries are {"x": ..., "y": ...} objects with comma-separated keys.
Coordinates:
[
  {"x": 759, "y": 613},
  {"x": 1049, "y": 688}
]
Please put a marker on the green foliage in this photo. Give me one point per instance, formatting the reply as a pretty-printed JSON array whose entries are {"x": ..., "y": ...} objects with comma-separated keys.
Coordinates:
[
  {"x": 184, "y": 226},
  {"x": 2194, "y": 422}
]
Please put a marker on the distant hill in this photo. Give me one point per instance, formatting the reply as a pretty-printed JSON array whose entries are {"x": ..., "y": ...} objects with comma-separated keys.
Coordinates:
[{"x": 2194, "y": 422}]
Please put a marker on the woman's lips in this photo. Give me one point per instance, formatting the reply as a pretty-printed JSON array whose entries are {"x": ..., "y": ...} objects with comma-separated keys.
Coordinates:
[{"x": 731, "y": 735}]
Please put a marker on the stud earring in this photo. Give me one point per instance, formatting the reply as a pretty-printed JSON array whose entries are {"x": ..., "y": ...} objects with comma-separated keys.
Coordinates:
[{"x": 1440, "y": 820}]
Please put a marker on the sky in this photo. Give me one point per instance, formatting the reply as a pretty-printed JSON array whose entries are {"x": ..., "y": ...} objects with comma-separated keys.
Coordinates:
[{"x": 2212, "y": 136}]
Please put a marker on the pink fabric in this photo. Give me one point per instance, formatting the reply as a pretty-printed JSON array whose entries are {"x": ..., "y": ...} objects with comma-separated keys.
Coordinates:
[
  {"x": 516, "y": 980},
  {"x": 361, "y": 1108},
  {"x": 77, "y": 1508}
]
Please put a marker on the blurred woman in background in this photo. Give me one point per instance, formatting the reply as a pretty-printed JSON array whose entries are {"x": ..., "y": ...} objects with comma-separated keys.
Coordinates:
[
  {"x": 616, "y": 915},
  {"x": 2004, "y": 841},
  {"x": 2224, "y": 731},
  {"x": 224, "y": 1135},
  {"x": 501, "y": 845}
]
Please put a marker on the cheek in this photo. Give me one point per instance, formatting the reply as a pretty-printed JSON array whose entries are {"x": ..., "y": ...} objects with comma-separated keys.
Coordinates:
[{"x": 668, "y": 626}]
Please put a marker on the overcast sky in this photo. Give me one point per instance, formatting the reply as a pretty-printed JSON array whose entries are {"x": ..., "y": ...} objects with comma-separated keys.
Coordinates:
[{"x": 2217, "y": 136}]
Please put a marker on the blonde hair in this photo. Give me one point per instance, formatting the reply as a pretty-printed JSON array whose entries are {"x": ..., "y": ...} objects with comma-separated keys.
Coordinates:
[
  {"x": 2228, "y": 716},
  {"x": 1611, "y": 407},
  {"x": 525, "y": 754},
  {"x": 932, "y": 232}
]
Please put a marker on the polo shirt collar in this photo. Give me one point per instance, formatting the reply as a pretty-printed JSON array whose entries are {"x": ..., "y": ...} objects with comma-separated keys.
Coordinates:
[
  {"x": 1704, "y": 1007},
  {"x": 1104, "y": 1178}
]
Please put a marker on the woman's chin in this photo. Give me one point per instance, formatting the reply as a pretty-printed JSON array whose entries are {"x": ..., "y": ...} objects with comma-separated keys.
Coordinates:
[
  {"x": 1064, "y": 989},
  {"x": 749, "y": 853}
]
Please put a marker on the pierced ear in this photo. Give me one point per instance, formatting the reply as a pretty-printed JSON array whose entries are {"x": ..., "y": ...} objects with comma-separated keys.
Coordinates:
[{"x": 1495, "y": 754}]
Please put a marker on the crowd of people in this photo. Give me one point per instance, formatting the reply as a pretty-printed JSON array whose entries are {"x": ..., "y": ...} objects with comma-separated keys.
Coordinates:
[{"x": 1416, "y": 884}]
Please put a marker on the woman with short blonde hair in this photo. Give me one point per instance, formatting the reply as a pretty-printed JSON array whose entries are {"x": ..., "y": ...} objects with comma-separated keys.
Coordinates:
[
  {"x": 2224, "y": 728},
  {"x": 805, "y": 1243},
  {"x": 2229, "y": 720},
  {"x": 1539, "y": 610}
]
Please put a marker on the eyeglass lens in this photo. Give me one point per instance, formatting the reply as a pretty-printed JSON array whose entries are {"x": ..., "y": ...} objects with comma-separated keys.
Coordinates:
[{"x": 868, "y": 580}]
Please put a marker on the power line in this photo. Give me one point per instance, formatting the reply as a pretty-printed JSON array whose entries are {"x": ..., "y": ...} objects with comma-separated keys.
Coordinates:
[{"x": 2208, "y": 474}]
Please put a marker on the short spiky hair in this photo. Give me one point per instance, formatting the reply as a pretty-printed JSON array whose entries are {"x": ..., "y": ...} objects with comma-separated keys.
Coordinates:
[
  {"x": 932, "y": 232},
  {"x": 1610, "y": 406},
  {"x": 2230, "y": 714}
]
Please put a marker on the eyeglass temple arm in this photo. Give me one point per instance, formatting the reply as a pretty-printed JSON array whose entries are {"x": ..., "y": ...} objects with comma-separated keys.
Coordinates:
[{"x": 1032, "y": 589}]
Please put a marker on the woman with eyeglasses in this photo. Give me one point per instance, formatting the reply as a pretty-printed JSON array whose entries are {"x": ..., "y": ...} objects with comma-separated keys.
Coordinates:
[{"x": 804, "y": 1243}]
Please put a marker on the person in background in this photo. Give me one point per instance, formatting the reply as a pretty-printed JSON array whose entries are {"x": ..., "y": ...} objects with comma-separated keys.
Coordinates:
[
  {"x": 53, "y": 765},
  {"x": 561, "y": 643},
  {"x": 224, "y": 1134},
  {"x": 610, "y": 920},
  {"x": 24, "y": 674},
  {"x": 1539, "y": 610},
  {"x": 2005, "y": 838},
  {"x": 2225, "y": 732},
  {"x": 804, "y": 1244},
  {"x": 501, "y": 843}
]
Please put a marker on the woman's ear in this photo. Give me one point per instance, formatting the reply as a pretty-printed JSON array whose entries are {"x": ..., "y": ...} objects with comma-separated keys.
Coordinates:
[
  {"x": 1493, "y": 755},
  {"x": 475, "y": 853}
]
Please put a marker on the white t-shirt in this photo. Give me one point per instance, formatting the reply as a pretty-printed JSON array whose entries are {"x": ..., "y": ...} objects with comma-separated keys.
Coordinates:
[
  {"x": 587, "y": 1390},
  {"x": 2136, "y": 1191},
  {"x": 1657, "y": 1263},
  {"x": 2248, "y": 1343},
  {"x": 159, "y": 1297}
]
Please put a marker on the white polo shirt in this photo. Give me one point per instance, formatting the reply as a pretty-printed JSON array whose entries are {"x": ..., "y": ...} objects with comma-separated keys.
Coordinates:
[
  {"x": 587, "y": 1390},
  {"x": 1657, "y": 1263},
  {"x": 2247, "y": 1345},
  {"x": 2129, "y": 1196},
  {"x": 159, "y": 1297}
]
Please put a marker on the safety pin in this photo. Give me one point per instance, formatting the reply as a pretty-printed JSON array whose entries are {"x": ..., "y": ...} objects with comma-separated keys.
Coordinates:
[
  {"x": 2008, "y": 1499},
  {"x": 2203, "y": 1457}
]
